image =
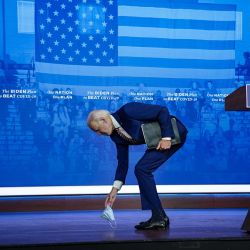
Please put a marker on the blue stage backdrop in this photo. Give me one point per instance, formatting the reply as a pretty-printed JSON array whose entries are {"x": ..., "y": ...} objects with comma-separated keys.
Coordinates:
[{"x": 80, "y": 55}]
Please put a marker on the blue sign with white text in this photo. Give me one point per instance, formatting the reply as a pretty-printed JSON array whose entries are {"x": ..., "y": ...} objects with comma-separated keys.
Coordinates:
[
  {"x": 248, "y": 95},
  {"x": 83, "y": 55}
]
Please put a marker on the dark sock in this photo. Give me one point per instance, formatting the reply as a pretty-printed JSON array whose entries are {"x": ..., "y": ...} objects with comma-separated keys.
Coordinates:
[
  {"x": 158, "y": 215},
  {"x": 163, "y": 213}
]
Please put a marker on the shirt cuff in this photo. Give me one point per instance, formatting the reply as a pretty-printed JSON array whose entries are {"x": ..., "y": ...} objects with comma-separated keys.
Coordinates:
[
  {"x": 166, "y": 138},
  {"x": 117, "y": 184}
]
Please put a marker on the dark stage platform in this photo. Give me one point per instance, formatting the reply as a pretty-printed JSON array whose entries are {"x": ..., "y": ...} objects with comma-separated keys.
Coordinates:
[{"x": 189, "y": 229}]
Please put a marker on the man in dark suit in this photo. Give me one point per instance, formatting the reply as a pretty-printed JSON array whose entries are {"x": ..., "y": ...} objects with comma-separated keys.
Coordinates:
[{"x": 124, "y": 128}]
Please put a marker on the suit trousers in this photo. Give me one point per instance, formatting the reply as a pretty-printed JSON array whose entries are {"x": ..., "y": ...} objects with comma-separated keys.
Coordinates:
[{"x": 150, "y": 161}]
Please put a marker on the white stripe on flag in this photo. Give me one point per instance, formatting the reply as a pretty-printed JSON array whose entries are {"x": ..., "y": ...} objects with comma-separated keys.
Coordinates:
[
  {"x": 124, "y": 71},
  {"x": 202, "y": 54},
  {"x": 149, "y": 32},
  {"x": 192, "y": 14}
]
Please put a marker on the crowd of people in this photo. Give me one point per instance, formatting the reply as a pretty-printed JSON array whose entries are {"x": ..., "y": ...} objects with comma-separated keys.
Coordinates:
[{"x": 63, "y": 144}]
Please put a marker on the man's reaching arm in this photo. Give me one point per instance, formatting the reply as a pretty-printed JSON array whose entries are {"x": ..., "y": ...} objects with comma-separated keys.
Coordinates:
[{"x": 121, "y": 173}]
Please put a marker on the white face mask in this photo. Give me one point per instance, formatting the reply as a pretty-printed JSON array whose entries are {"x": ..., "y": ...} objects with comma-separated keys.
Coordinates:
[{"x": 108, "y": 215}]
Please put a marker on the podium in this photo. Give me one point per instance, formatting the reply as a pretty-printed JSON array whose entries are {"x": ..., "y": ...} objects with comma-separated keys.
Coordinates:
[{"x": 237, "y": 101}]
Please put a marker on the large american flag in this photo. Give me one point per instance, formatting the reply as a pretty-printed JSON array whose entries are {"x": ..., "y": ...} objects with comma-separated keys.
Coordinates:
[{"x": 127, "y": 42}]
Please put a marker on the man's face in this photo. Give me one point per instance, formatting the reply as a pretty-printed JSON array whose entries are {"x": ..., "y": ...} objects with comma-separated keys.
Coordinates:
[{"x": 103, "y": 127}]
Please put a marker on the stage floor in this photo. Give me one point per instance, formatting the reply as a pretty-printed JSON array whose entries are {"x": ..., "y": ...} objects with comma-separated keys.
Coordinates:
[{"x": 37, "y": 228}]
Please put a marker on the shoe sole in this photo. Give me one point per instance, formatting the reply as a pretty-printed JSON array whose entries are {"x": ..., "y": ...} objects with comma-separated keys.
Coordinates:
[
  {"x": 153, "y": 228},
  {"x": 167, "y": 222},
  {"x": 163, "y": 227}
]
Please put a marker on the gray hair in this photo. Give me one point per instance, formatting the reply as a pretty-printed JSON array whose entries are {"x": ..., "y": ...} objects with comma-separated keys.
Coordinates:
[{"x": 96, "y": 115}]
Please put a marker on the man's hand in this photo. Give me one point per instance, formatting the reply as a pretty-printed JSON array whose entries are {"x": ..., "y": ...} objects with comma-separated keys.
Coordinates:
[
  {"x": 164, "y": 144},
  {"x": 111, "y": 197}
]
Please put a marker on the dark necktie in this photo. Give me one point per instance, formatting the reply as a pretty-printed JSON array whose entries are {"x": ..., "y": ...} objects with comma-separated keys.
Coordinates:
[{"x": 123, "y": 136}]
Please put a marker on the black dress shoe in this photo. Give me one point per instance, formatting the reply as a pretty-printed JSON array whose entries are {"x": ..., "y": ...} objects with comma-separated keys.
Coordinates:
[
  {"x": 165, "y": 218},
  {"x": 152, "y": 225}
]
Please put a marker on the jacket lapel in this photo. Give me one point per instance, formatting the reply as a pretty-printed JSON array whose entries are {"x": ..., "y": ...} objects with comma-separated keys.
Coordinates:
[{"x": 131, "y": 126}]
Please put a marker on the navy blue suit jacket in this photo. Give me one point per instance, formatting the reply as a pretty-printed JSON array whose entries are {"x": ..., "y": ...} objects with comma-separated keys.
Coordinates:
[{"x": 131, "y": 116}]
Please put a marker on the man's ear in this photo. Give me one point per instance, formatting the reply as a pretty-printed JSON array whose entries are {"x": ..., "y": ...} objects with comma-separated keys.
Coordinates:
[{"x": 102, "y": 119}]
